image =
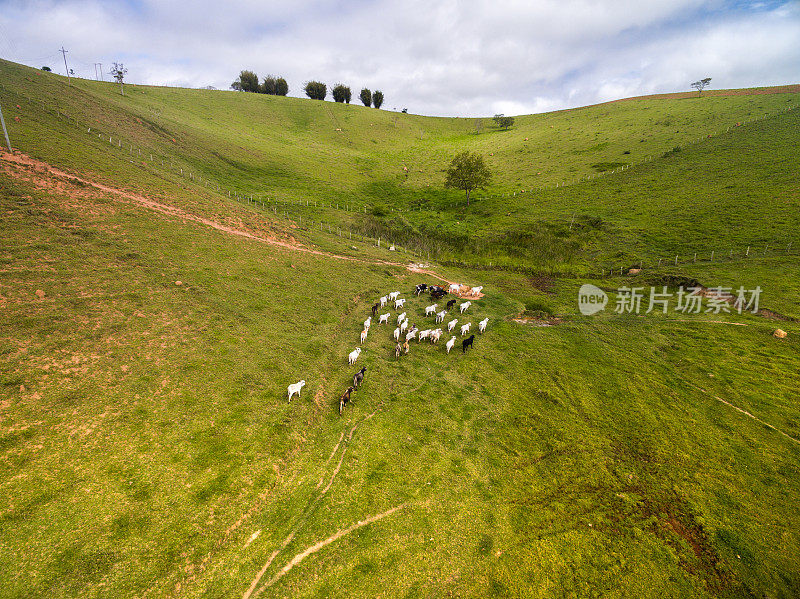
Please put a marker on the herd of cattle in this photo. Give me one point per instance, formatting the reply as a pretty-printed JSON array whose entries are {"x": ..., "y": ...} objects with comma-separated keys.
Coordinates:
[{"x": 409, "y": 331}]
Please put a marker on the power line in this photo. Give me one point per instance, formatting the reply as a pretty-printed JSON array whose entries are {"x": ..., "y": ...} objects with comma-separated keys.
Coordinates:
[{"x": 64, "y": 53}]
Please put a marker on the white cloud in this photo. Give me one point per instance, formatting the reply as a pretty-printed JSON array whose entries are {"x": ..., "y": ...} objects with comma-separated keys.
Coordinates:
[{"x": 464, "y": 58}]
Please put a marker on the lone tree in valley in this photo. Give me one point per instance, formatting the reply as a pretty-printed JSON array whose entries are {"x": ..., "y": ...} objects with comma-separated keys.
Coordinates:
[
  {"x": 701, "y": 85},
  {"x": 504, "y": 122},
  {"x": 341, "y": 93},
  {"x": 468, "y": 171},
  {"x": 377, "y": 98},
  {"x": 118, "y": 72},
  {"x": 366, "y": 97},
  {"x": 316, "y": 90}
]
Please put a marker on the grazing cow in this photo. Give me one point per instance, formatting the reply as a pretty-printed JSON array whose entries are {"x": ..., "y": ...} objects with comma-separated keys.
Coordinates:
[
  {"x": 292, "y": 389},
  {"x": 406, "y": 347},
  {"x": 411, "y": 334},
  {"x": 420, "y": 288},
  {"x": 476, "y": 290},
  {"x": 464, "y": 306},
  {"x": 358, "y": 377},
  {"x": 401, "y": 318},
  {"x": 450, "y": 304},
  {"x": 363, "y": 336},
  {"x": 384, "y": 318},
  {"x": 482, "y": 324},
  {"x": 344, "y": 399},
  {"x": 451, "y": 343},
  {"x": 454, "y": 287},
  {"x": 435, "y": 335},
  {"x": 393, "y": 295},
  {"x": 375, "y": 308},
  {"x": 367, "y": 323},
  {"x": 467, "y": 343},
  {"x": 452, "y": 324},
  {"x": 431, "y": 309},
  {"x": 404, "y": 326},
  {"x": 465, "y": 328},
  {"x": 423, "y": 335},
  {"x": 353, "y": 356},
  {"x": 440, "y": 316},
  {"x": 383, "y": 301},
  {"x": 438, "y": 294},
  {"x": 399, "y": 304},
  {"x": 397, "y": 349},
  {"x": 396, "y": 334}
]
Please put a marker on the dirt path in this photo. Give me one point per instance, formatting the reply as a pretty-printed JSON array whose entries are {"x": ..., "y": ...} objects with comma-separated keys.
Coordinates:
[{"x": 20, "y": 160}]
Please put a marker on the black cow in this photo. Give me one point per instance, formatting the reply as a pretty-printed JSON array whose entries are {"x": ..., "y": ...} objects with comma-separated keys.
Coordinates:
[
  {"x": 467, "y": 343},
  {"x": 451, "y": 303},
  {"x": 345, "y": 399},
  {"x": 375, "y": 308},
  {"x": 420, "y": 288},
  {"x": 358, "y": 378}
]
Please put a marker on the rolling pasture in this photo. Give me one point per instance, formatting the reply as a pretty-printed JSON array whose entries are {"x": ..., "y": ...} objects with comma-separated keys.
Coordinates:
[{"x": 147, "y": 448}]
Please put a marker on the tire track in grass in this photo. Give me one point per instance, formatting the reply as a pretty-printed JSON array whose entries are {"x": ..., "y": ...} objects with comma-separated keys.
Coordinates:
[
  {"x": 303, "y": 518},
  {"x": 314, "y": 548}
]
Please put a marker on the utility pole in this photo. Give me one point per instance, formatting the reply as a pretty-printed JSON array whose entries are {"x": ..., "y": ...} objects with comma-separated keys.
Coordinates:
[
  {"x": 101, "y": 71},
  {"x": 3, "y": 122},
  {"x": 64, "y": 53},
  {"x": 95, "y": 71}
]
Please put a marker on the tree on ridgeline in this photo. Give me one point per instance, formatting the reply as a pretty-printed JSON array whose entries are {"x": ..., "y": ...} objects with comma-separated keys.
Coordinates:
[
  {"x": 316, "y": 90},
  {"x": 468, "y": 171},
  {"x": 701, "y": 85},
  {"x": 504, "y": 122},
  {"x": 48, "y": 69},
  {"x": 247, "y": 82},
  {"x": 377, "y": 98},
  {"x": 281, "y": 87},
  {"x": 118, "y": 71},
  {"x": 366, "y": 97},
  {"x": 269, "y": 85},
  {"x": 341, "y": 93}
]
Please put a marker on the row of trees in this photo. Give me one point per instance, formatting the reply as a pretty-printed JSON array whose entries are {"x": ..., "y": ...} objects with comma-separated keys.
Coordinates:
[
  {"x": 248, "y": 82},
  {"x": 316, "y": 90}
]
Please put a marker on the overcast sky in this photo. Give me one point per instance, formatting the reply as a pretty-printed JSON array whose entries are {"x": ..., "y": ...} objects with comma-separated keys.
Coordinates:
[{"x": 448, "y": 58}]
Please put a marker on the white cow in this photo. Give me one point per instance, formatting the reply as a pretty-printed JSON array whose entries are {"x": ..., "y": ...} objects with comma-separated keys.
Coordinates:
[
  {"x": 393, "y": 295},
  {"x": 367, "y": 323},
  {"x": 353, "y": 356},
  {"x": 363, "y": 336},
  {"x": 423, "y": 335},
  {"x": 292, "y": 389},
  {"x": 399, "y": 303},
  {"x": 397, "y": 332},
  {"x": 482, "y": 324},
  {"x": 451, "y": 343},
  {"x": 404, "y": 326},
  {"x": 476, "y": 290},
  {"x": 401, "y": 318},
  {"x": 383, "y": 301},
  {"x": 452, "y": 324},
  {"x": 384, "y": 318},
  {"x": 411, "y": 334},
  {"x": 454, "y": 287},
  {"x": 435, "y": 335},
  {"x": 431, "y": 309},
  {"x": 465, "y": 328},
  {"x": 464, "y": 306},
  {"x": 440, "y": 316}
]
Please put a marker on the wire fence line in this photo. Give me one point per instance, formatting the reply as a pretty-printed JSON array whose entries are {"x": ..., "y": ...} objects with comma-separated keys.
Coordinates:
[{"x": 290, "y": 209}]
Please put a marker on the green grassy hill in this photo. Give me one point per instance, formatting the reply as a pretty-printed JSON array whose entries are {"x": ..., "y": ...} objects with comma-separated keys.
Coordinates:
[{"x": 146, "y": 445}]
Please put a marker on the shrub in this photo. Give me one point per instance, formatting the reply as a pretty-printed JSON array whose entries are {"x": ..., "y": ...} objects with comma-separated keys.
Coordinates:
[
  {"x": 316, "y": 90},
  {"x": 341, "y": 93},
  {"x": 281, "y": 87},
  {"x": 268, "y": 87},
  {"x": 377, "y": 98},
  {"x": 366, "y": 97},
  {"x": 247, "y": 82}
]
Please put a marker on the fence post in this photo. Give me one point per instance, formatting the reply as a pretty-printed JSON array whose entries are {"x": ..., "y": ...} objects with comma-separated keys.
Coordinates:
[
  {"x": 676, "y": 260},
  {"x": 747, "y": 253},
  {"x": 712, "y": 255}
]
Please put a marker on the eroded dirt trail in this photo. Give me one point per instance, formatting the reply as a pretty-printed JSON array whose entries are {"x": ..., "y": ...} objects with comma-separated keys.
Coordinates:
[{"x": 18, "y": 164}]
